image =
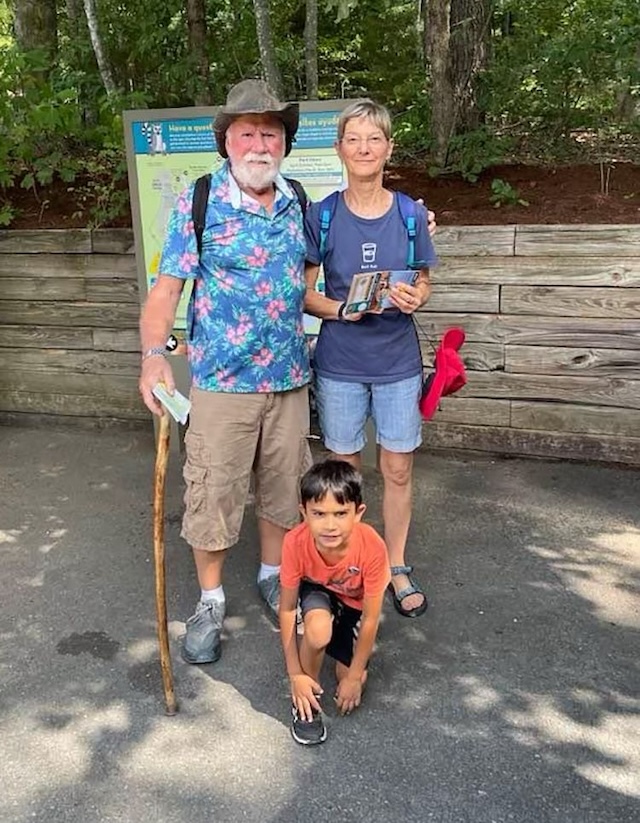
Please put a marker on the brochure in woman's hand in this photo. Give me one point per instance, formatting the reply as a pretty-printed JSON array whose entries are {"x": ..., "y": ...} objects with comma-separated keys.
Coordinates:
[{"x": 369, "y": 291}]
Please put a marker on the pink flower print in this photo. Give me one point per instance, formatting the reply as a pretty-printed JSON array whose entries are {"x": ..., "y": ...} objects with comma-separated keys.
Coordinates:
[
  {"x": 264, "y": 386},
  {"x": 187, "y": 229},
  {"x": 275, "y": 308},
  {"x": 196, "y": 353},
  {"x": 263, "y": 358},
  {"x": 236, "y": 334},
  {"x": 258, "y": 258},
  {"x": 228, "y": 233},
  {"x": 183, "y": 206},
  {"x": 225, "y": 281},
  {"x": 225, "y": 379},
  {"x": 294, "y": 273},
  {"x": 296, "y": 373},
  {"x": 203, "y": 306},
  {"x": 223, "y": 191},
  {"x": 263, "y": 289},
  {"x": 187, "y": 261}
]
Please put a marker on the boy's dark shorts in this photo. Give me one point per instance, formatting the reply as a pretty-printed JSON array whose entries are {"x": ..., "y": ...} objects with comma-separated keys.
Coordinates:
[{"x": 345, "y": 619}]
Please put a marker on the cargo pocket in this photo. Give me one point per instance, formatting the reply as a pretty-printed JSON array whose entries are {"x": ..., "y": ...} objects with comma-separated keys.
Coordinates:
[{"x": 195, "y": 475}]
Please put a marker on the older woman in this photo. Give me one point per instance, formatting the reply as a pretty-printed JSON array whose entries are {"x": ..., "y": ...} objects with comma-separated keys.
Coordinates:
[{"x": 369, "y": 365}]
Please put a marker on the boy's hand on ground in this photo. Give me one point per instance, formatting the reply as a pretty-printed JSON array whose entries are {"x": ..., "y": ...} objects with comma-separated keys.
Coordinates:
[
  {"x": 348, "y": 694},
  {"x": 304, "y": 693}
]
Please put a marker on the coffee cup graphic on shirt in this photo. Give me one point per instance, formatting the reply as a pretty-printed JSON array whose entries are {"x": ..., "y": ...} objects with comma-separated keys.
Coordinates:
[{"x": 369, "y": 252}]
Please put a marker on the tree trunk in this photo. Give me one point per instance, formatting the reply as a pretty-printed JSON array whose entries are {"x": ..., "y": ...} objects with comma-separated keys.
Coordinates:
[
  {"x": 437, "y": 45},
  {"x": 311, "y": 49},
  {"x": 456, "y": 39},
  {"x": 36, "y": 26},
  {"x": 197, "y": 27},
  {"x": 96, "y": 41},
  {"x": 265, "y": 44}
]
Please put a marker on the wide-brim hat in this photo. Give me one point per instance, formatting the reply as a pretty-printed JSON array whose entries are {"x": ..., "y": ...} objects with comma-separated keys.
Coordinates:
[
  {"x": 255, "y": 97},
  {"x": 449, "y": 373}
]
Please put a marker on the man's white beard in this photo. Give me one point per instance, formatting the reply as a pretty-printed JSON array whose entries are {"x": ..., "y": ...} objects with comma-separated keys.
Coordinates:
[{"x": 256, "y": 171}]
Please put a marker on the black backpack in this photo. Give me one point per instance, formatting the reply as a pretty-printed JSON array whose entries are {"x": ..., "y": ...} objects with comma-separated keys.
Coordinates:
[{"x": 201, "y": 198}]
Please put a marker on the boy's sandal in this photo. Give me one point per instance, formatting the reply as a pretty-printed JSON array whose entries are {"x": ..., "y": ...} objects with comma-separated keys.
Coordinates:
[{"x": 412, "y": 588}]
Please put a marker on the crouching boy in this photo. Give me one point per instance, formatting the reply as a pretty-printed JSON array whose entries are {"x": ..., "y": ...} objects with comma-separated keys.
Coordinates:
[{"x": 336, "y": 568}]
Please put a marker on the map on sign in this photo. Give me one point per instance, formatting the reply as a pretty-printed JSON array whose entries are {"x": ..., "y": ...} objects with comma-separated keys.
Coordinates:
[{"x": 168, "y": 149}]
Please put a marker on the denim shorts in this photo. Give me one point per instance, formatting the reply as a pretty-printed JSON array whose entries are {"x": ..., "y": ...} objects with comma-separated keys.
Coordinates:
[{"x": 344, "y": 408}]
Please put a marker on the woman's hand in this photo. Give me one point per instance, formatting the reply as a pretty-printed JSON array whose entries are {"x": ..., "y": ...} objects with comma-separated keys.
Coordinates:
[{"x": 407, "y": 298}]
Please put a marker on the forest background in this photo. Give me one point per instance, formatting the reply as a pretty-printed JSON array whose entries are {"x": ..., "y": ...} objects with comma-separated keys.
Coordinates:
[{"x": 504, "y": 110}]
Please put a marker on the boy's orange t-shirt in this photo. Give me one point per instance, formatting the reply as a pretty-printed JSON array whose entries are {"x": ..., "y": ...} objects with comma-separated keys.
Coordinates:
[{"x": 362, "y": 572}]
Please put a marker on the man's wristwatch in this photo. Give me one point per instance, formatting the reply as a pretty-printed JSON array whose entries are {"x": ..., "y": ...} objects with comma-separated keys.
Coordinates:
[{"x": 153, "y": 352}]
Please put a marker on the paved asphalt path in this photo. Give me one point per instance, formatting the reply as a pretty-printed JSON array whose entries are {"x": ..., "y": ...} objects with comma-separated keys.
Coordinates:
[{"x": 516, "y": 698}]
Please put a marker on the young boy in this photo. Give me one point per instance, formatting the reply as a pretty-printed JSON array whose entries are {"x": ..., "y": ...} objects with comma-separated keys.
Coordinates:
[{"x": 337, "y": 569}]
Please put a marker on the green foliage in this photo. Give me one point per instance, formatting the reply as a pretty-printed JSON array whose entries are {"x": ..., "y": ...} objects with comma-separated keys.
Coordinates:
[
  {"x": 475, "y": 151},
  {"x": 504, "y": 194}
]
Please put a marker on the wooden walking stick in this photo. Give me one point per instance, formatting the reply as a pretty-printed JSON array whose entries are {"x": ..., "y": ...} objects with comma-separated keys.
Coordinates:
[{"x": 159, "y": 478}]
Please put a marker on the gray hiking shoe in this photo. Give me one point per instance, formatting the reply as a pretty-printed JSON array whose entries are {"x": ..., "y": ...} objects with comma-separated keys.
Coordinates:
[
  {"x": 269, "y": 589},
  {"x": 201, "y": 643}
]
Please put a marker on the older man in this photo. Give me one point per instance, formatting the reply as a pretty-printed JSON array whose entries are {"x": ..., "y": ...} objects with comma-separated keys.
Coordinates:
[{"x": 247, "y": 351}]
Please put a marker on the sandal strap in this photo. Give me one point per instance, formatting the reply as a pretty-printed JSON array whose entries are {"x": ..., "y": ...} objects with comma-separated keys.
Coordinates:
[
  {"x": 396, "y": 570},
  {"x": 400, "y": 596}
]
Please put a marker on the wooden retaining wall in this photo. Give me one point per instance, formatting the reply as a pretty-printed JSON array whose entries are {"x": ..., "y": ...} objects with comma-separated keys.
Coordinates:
[
  {"x": 551, "y": 313},
  {"x": 69, "y": 344},
  {"x": 552, "y": 318}
]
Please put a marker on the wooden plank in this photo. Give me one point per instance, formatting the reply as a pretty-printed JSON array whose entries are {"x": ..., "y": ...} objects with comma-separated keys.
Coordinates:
[
  {"x": 475, "y": 241},
  {"x": 36, "y": 313},
  {"x": 526, "y": 443},
  {"x": 537, "y": 330},
  {"x": 539, "y": 271},
  {"x": 113, "y": 241},
  {"x": 548, "y": 360},
  {"x": 67, "y": 265},
  {"x": 41, "y": 421},
  {"x": 115, "y": 290},
  {"x": 569, "y": 418},
  {"x": 607, "y": 240},
  {"x": 593, "y": 391},
  {"x": 115, "y": 387},
  {"x": 476, "y": 356},
  {"x": 475, "y": 411},
  {"x": 566, "y": 301},
  {"x": 453, "y": 298},
  {"x": 89, "y": 362},
  {"x": 43, "y": 288},
  {"x": 116, "y": 340},
  {"x": 73, "y": 404},
  {"x": 51, "y": 337},
  {"x": 38, "y": 241}
]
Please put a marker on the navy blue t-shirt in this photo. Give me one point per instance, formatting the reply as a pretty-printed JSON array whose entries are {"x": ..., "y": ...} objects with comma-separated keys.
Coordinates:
[{"x": 379, "y": 348}]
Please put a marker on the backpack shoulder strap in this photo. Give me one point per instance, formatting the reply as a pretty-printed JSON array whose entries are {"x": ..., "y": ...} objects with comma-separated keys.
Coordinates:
[
  {"x": 327, "y": 209},
  {"x": 199, "y": 207},
  {"x": 407, "y": 209},
  {"x": 300, "y": 193}
]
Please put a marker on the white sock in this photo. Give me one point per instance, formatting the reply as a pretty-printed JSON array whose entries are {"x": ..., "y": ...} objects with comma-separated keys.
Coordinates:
[
  {"x": 267, "y": 571},
  {"x": 210, "y": 595}
]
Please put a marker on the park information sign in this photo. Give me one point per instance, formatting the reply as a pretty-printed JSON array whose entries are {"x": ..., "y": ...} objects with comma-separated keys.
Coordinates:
[{"x": 169, "y": 148}]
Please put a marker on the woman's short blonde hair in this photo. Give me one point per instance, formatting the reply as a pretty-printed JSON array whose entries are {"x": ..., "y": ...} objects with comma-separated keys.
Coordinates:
[{"x": 365, "y": 107}]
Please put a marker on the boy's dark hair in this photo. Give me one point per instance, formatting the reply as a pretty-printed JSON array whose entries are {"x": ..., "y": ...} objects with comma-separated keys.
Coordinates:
[{"x": 335, "y": 476}]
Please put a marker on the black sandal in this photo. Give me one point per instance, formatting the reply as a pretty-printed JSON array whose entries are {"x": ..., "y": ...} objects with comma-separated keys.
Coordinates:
[{"x": 412, "y": 588}]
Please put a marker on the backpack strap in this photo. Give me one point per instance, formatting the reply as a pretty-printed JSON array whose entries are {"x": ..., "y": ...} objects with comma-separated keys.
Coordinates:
[
  {"x": 327, "y": 209},
  {"x": 199, "y": 207},
  {"x": 300, "y": 193},
  {"x": 407, "y": 208}
]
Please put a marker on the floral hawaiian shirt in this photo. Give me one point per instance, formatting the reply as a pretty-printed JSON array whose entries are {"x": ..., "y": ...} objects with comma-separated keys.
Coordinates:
[{"x": 244, "y": 323}]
